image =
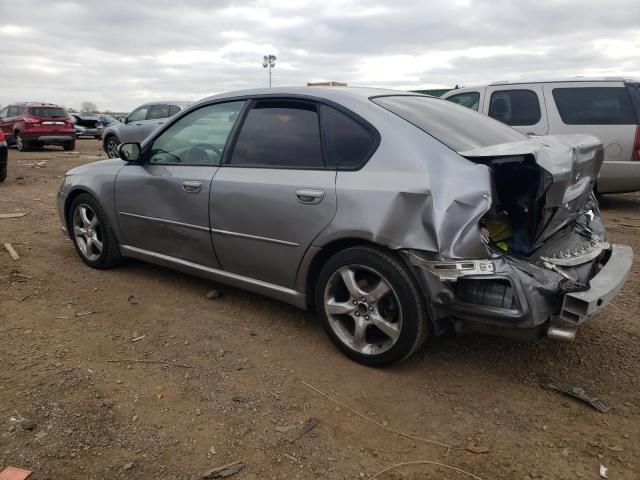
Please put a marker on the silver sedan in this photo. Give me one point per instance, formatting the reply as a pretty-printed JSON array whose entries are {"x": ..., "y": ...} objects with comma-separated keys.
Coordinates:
[{"x": 394, "y": 215}]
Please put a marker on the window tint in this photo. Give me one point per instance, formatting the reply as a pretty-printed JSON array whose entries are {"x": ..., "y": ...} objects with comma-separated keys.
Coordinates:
[
  {"x": 594, "y": 106},
  {"x": 159, "y": 111},
  {"x": 468, "y": 99},
  {"x": 347, "y": 143},
  {"x": 137, "y": 115},
  {"x": 173, "y": 109},
  {"x": 47, "y": 112},
  {"x": 515, "y": 107},
  {"x": 280, "y": 134},
  {"x": 198, "y": 138},
  {"x": 457, "y": 127}
]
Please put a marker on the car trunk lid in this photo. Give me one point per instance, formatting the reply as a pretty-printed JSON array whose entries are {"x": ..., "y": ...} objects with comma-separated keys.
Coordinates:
[{"x": 541, "y": 184}]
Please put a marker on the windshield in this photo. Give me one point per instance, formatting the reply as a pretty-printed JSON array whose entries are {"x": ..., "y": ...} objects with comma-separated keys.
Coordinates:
[
  {"x": 47, "y": 112},
  {"x": 457, "y": 127}
]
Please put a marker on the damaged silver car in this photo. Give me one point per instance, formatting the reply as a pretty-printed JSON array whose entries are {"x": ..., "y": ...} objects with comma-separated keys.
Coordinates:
[{"x": 394, "y": 215}]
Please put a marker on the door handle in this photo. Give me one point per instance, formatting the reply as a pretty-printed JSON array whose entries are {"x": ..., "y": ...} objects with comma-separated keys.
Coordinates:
[
  {"x": 309, "y": 196},
  {"x": 191, "y": 186}
]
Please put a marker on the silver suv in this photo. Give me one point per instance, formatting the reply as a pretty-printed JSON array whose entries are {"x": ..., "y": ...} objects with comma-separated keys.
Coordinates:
[
  {"x": 139, "y": 124},
  {"x": 392, "y": 214},
  {"x": 606, "y": 107}
]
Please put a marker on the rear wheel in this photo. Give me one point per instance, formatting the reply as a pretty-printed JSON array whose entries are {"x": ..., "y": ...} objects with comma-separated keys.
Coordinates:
[
  {"x": 69, "y": 145},
  {"x": 92, "y": 233},
  {"x": 111, "y": 146},
  {"x": 21, "y": 143},
  {"x": 371, "y": 307}
]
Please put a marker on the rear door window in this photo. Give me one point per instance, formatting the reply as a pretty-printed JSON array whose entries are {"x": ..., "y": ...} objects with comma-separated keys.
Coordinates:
[
  {"x": 468, "y": 99},
  {"x": 14, "y": 111},
  {"x": 348, "y": 144},
  {"x": 594, "y": 106},
  {"x": 515, "y": 107},
  {"x": 159, "y": 111},
  {"x": 280, "y": 134},
  {"x": 457, "y": 127}
]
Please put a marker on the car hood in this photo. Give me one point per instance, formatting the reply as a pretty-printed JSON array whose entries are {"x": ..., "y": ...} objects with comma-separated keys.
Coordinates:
[{"x": 96, "y": 166}]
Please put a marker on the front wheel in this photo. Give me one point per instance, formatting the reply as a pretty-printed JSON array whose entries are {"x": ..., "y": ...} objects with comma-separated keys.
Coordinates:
[
  {"x": 69, "y": 146},
  {"x": 111, "y": 146},
  {"x": 371, "y": 307},
  {"x": 91, "y": 233}
]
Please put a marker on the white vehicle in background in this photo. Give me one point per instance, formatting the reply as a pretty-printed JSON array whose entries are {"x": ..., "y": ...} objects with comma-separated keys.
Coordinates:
[{"x": 608, "y": 108}]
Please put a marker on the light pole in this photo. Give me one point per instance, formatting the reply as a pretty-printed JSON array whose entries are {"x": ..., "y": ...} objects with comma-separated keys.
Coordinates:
[{"x": 269, "y": 61}]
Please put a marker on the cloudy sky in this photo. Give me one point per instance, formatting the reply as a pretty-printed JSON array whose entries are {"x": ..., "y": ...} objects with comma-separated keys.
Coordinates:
[{"x": 119, "y": 54}]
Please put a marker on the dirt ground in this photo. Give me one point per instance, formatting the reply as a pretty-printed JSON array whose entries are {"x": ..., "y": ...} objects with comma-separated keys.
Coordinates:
[{"x": 228, "y": 374}]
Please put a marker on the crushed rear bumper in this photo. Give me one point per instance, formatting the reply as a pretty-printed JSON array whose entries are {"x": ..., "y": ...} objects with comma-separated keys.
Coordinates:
[{"x": 578, "y": 306}]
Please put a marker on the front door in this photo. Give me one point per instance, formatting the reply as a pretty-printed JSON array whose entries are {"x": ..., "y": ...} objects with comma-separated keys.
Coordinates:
[
  {"x": 163, "y": 203},
  {"x": 520, "y": 106},
  {"x": 275, "y": 194}
]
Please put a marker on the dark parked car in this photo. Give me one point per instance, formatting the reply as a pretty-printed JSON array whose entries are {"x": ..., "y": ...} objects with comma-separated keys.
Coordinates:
[
  {"x": 87, "y": 125},
  {"x": 37, "y": 124},
  {"x": 3, "y": 157}
]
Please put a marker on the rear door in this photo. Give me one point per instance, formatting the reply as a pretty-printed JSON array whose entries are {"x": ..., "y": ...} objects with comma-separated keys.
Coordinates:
[
  {"x": 158, "y": 115},
  {"x": 163, "y": 204},
  {"x": 520, "y": 106},
  {"x": 13, "y": 114},
  {"x": 275, "y": 193}
]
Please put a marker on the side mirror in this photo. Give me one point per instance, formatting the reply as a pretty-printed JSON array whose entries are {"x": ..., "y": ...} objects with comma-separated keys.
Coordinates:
[
  {"x": 123, "y": 120},
  {"x": 129, "y": 152}
]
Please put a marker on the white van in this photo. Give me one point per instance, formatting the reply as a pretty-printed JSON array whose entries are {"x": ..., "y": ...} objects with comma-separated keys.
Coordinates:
[{"x": 608, "y": 108}]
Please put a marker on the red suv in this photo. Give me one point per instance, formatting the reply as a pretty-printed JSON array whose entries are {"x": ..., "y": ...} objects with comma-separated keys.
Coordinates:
[{"x": 37, "y": 124}]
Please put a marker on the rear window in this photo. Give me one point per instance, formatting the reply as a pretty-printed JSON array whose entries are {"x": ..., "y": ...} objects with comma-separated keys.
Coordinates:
[
  {"x": 457, "y": 127},
  {"x": 47, "y": 112},
  {"x": 594, "y": 106}
]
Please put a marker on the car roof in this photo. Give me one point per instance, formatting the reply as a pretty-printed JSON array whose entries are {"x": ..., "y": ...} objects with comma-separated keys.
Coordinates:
[
  {"x": 335, "y": 94},
  {"x": 180, "y": 103},
  {"x": 35, "y": 104},
  {"x": 566, "y": 79}
]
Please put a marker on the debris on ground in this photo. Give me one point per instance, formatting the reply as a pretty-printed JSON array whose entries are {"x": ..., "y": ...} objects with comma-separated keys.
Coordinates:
[
  {"x": 14, "y": 473},
  {"x": 82, "y": 314},
  {"x": 213, "y": 294},
  {"x": 28, "y": 424},
  {"x": 224, "y": 471},
  {"x": 576, "y": 390},
  {"x": 128, "y": 466},
  {"x": 137, "y": 339},
  {"x": 12, "y": 215},
  {"x": 305, "y": 428},
  {"x": 132, "y": 300},
  {"x": 19, "y": 277},
  {"x": 40, "y": 164},
  {"x": 9, "y": 248},
  {"x": 472, "y": 447},
  {"x": 603, "y": 471},
  {"x": 284, "y": 429}
]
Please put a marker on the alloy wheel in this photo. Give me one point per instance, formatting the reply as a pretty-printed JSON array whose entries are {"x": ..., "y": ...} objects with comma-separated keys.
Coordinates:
[
  {"x": 87, "y": 232},
  {"x": 112, "y": 148},
  {"x": 363, "y": 309},
  {"x": 19, "y": 142}
]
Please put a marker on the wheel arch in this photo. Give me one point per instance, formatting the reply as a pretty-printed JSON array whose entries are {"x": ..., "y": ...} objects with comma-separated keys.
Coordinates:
[
  {"x": 315, "y": 260},
  {"x": 71, "y": 196}
]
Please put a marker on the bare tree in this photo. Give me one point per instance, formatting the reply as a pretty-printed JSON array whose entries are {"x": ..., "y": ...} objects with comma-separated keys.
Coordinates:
[{"x": 88, "y": 107}]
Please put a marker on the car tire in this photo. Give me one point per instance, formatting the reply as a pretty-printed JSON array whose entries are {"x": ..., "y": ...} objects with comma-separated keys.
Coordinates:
[
  {"x": 21, "y": 144},
  {"x": 380, "y": 318},
  {"x": 92, "y": 233},
  {"x": 69, "y": 146},
  {"x": 3, "y": 173},
  {"x": 111, "y": 146}
]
